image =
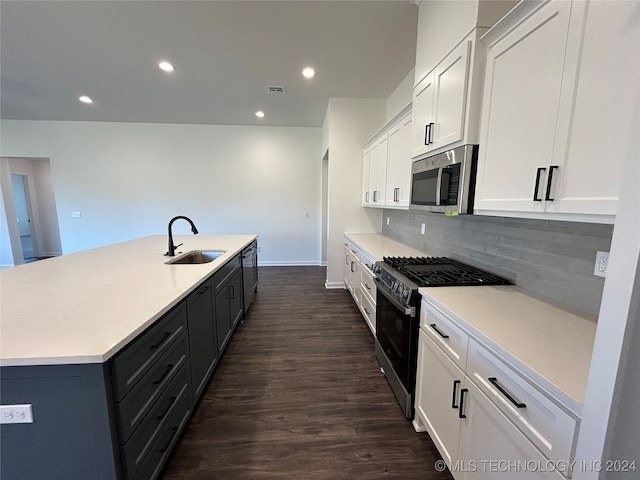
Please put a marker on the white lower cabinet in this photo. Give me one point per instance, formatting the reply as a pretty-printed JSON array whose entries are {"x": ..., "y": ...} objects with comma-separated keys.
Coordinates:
[
  {"x": 358, "y": 279},
  {"x": 486, "y": 421}
]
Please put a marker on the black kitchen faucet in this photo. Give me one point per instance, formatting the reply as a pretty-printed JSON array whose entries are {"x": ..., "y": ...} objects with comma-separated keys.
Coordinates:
[{"x": 172, "y": 248}]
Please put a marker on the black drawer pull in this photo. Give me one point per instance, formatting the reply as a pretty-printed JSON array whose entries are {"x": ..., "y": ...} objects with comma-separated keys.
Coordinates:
[
  {"x": 232, "y": 292},
  {"x": 162, "y": 340},
  {"x": 366, "y": 311},
  {"x": 164, "y": 375},
  {"x": 427, "y": 127},
  {"x": 366, "y": 285},
  {"x": 433, "y": 325},
  {"x": 537, "y": 186},
  {"x": 164, "y": 449},
  {"x": 172, "y": 400},
  {"x": 494, "y": 382},
  {"x": 454, "y": 395},
  {"x": 462, "y": 392},
  {"x": 203, "y": 289}
]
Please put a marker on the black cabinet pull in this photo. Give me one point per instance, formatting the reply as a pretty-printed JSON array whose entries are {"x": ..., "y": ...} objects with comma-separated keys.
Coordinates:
[
  {"x": 549, "y": 180},
  {"x": 427, "y": 127},
  {"x": 454, "y": 394},
  {"x": 537, "y": 187},
  {"x": 162, "y": 340},
  {"x": 232, "y": 292},
  {"x": 462, "y": 392},
  {"x": 494, "y": 382},
  {"x": 203, "y": 289},
  {"x": 351, "y": 268},
  {"x": 431, "y": 127},
  {"x": 366, "y": 311},
  {"x": 165, "y": 448},
  {"x": 164, "y": 414},
  {"x": 366, "y": 285},
  {"x": 164, "y": 375},
  {"x": 433, "y": 325}
]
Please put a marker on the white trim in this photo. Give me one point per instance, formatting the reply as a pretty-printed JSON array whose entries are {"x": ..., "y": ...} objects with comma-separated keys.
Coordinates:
[{"x": 334, "y": 285}]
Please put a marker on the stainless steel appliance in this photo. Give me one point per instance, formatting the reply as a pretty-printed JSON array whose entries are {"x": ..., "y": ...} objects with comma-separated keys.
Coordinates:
[
  {"x": 445, "y": 182},
  {"x": 398, "y": 312},
  {"x": 249, "y": 273}
]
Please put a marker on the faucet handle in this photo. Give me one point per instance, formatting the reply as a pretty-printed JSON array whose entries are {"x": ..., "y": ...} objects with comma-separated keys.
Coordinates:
[{"x": 177, "y": 246}]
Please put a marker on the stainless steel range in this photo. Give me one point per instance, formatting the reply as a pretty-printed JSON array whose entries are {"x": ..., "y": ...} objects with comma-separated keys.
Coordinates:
[{"x": 398, "y": 312}]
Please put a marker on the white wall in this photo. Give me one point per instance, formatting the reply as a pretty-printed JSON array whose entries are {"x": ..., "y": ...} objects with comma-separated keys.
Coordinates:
[
  {"x": 129, "y": 179},
  {"x": 350, "y": 122},
  {"x": 400, "y": 97}
]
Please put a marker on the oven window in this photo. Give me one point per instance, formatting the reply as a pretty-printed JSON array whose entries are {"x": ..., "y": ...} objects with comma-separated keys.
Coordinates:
[
  {"x": 395, "y": 334},
  {"x": 424, "y": 187}
]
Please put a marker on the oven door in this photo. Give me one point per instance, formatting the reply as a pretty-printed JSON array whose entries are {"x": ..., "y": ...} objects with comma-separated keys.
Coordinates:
[{"x": 397, "y": 345}]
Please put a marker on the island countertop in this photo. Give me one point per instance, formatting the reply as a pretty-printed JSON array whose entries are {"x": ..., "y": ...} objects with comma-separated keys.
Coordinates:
[{"x": 84, "y": 307}]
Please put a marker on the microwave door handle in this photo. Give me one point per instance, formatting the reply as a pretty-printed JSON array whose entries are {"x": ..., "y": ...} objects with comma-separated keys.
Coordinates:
[{"x": 438, "y": 186}]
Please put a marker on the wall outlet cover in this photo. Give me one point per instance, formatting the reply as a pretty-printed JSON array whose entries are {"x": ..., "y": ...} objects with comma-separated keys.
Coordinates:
[
  {"x": 16, "y": 414},
  {"x": 602, "y": 263}
]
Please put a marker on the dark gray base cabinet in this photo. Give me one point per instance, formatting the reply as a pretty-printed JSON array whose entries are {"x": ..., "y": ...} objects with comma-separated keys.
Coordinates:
[{"x": 121, "y": 419}]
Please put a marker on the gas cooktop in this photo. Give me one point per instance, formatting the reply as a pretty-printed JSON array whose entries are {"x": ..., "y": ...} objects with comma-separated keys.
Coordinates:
[{"x": 440, "y": 271}]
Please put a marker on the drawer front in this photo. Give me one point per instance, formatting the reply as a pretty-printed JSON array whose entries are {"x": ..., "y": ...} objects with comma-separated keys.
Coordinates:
[
  {"x": 222, "y": 276},
  {"x": 446, "y": 334},
  {"x": 542, "y": 421},
  {"x": 368, "y": 285},
  {"x": 369, "y": 312},
  {"x": 136, "y": 360},
  {"x": 132, "y": 410},
  {"x": 161, "y": 448},
  {"x": 142, "y": 441}
]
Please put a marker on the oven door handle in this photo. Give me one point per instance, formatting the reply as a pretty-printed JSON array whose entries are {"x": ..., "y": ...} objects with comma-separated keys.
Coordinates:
[{"x": 382, "y": 288}]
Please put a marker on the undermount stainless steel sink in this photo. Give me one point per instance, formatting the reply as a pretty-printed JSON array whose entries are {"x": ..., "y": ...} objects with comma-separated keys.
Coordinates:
[{"x": 196, "y": 257}]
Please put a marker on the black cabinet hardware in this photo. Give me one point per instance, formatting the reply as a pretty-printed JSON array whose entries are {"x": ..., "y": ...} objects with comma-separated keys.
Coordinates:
[
  {"x": 433, "y": 325},
  {"x": 427, "y": 127},
  {"x": 164, "y": 375},
  {"x": 494, "y": 382},
  {"x": 549, "y": 181},
  {"x": 164, "y": 449},
  {"x": 455, "y": 393},
  {"x": 162, "y": 340},
  {"x": 537, "y": 187},
  {"x": 203, "y": 289},
  {"x": 164, "y": 414},
  {"x": 461, "y": 410},
  {"x": 431, "y": 127}
]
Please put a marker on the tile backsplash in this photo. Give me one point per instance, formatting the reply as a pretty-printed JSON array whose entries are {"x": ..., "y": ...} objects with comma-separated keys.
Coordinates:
[{"x": 548, "y": 258}]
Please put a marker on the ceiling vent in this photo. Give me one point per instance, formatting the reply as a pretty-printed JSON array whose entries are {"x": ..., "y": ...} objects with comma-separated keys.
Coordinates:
[{"x": 277, "y": 90}]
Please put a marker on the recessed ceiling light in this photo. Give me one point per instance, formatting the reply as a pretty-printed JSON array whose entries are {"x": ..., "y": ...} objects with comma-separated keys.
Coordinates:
[
  {"x": 308, "y": 72},
  {"x": 259, "y": 114},
  {"x": 85, "y": 99},
  {"x": 166, "y": 66}
]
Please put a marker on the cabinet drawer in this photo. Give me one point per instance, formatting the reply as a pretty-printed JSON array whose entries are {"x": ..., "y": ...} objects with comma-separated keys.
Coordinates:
[
  {"x": 141, "y": 442},
  {"x": 136, "y": 360},
  {"x": 369, "y": 312},
  {"x": 132, "y": 410},
  {"x": 223, "y": 275},
  {"x": 368, "y": 285},
  {"x": 541, "y": 420},
  {"x": 161, "y": 449},
  {"x": 447, "y": 335}
]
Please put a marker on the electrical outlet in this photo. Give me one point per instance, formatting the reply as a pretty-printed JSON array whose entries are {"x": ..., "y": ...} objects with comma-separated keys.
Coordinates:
[
  {"x": 602, "y": 263},
  {"x": 16, "y": 414},
  {"x": 76, "y": 214},
  {"x": 422, "y": 229}
]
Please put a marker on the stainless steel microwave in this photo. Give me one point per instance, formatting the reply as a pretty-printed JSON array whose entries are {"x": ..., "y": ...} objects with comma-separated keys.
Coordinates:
[{"x": 445, "y": 182}]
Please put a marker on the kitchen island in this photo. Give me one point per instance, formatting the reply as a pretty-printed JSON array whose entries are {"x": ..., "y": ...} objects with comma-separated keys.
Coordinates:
[{"x": 98, "y": 344}]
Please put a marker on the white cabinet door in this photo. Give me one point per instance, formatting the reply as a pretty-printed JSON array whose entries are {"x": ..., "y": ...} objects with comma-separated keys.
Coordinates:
[
  {"x": 366, "y": 178},
  {"x": 520, "y": 109},
  {"x": 491, "y": 447},
  {"x": 348, "y": 269},
  {"x": 438, "y": 384},
  {"x": 451, "y": 78},
  {"x": 378, "y": 173},
  {"x": 423, "y": 95},
  {"x": 399, "y": 165}
]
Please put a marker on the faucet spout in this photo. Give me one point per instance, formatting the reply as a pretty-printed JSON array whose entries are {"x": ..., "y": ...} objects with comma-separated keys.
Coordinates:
[{"x": 171, "y": 252}]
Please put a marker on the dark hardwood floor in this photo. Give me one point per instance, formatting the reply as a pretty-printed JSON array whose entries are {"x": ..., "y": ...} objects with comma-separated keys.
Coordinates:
[{"x": 299, "y": 395}]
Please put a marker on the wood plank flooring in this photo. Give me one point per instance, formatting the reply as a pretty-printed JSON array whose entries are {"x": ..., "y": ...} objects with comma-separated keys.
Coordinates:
[{"x": 299, "y": 395}]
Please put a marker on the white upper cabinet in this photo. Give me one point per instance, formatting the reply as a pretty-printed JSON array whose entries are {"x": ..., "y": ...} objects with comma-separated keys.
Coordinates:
[
  {"x": 439, "y": 103},
  {"x": 366, "y": 177},
  {"x": 559, "y": 93},
  {"x": 399, "y": 165},
  {"x": 378, "y": 169}
]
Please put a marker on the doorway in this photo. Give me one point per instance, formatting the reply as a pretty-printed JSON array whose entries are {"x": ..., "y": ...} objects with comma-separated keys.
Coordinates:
[{"x": 24, "y": 216}]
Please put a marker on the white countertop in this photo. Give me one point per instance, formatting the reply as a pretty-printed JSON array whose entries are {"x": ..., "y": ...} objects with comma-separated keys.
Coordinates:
[
  {"x": 549, "y": 345},
  {"x": 378, "y": 246},
  {"x": 84, "y": 307}
]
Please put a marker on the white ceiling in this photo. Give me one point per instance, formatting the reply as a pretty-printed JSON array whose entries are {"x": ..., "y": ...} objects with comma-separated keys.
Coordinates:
[{"x": 226, "y": 53}]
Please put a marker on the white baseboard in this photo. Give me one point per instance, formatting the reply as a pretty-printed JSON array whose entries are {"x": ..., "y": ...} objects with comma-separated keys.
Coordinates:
[{"x": 333, "y": 285}]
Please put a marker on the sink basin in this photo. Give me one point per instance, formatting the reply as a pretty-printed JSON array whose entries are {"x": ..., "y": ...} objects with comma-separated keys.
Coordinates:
[{"x": 196, "y": 257}]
